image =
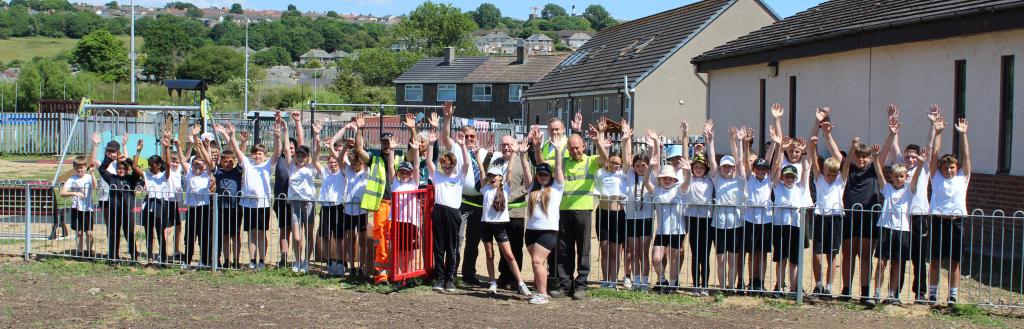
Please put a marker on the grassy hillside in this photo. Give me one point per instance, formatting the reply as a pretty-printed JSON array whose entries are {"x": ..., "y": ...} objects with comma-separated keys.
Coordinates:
[{"x": 26, "y": 48}]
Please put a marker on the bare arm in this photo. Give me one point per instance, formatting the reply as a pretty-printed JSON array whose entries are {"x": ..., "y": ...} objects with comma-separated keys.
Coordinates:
[
  {"x": 410, "y": 124},
  {"x": 527, "y": 173},
  {"x": 890, "y": 140},
  {"x": 627, "y": 145},
  {"x": 559, "y": 158},
  {"x": 921, "y": 157},
  {"x": 315, "y": 156},
  {"x": 459, "y": 138},
  {"x": 185, "y": 166},
  {"x": 360, "y": 140},
  {"x": 135, "y": 160},
  {"x": 300, "y": 137},
  {"x": 414, "y": 148},
  {"x": 878, "y": 167},
  {"x": 709, "y": 136},
  {"x": 446, "y": 126},
  {"x": 431, "y": 168},
  {"x": 961, "y": 127},
  {"x": 776, "y": 170},
  {"x": 938, "y": 126},
  {"x": 846, "y": 162}
]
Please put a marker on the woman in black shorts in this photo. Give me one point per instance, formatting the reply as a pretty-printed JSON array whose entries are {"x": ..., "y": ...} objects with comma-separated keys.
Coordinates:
[{"x": 542, "y": 223}]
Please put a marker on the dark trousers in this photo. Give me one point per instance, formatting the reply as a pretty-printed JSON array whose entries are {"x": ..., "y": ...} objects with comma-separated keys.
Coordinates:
[
  {"x": 573, "y": 249},
  {"x": 516, "y": 231},
  {"x": 199, "y": 227},
  {"x": 154, "y": 224},
  {"x": 471, "y": 216},
  {"x": 120, "y": 220},
  {"x": 919, "y": 256},
  {"x": 445, "y": 228},
  {"x": 701, "y": 236}
]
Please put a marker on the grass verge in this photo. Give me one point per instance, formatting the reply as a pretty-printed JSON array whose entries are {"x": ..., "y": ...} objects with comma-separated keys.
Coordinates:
[
  {"x": 974, "y": 314},
  {"x": 637, "y": 296}
]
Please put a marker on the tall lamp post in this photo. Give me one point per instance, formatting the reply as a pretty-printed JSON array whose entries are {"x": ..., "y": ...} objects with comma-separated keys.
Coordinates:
[{"x": 131, "y": 53}]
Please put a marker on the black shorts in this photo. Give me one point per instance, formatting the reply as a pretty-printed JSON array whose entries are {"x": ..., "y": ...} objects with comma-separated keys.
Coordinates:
[
  {"x": 103, "y": 205},
  {"x": 674, "y": 241},
  {"x": 920, "y": 229},
  {"x": 826, "y": 232},
  {"x": 860, "y": 224},
  {"x": 758, "y": 236},
  {"x": 330, "y": 222},
  {"x": 406, "y": 237},
  {"x": 946, "y": 238},
  {"x": 283, "y": 212},
  {"x": 494, "y": 232},
  {"x": 81, "y": 220},
  {"x": 611, "y": 225},
  {"x": 172, "y": 215},
  {"x": 639, "y": 227},
  {"x": 153, "y": 214},
  {"x": 230, "y": 220},
  {"x": 256, "y": 218},
  {"x": 728, "y": 240},
  {"x": 786, "y": 243},
  {"x": 353, "y": 222},
  {"x": 546, "y": 239},
  {"x": 893, "y": 245}
]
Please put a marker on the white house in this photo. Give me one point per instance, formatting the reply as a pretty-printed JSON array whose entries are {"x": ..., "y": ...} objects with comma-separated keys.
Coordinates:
[{"x": 859, "y": 56}]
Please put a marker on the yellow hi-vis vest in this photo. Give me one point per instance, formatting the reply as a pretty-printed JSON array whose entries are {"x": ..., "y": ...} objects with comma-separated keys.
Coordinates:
[
  {"x": 548, "y": 150},
  {"x": 579, "y": 184},
  {"x": 374, "y": 185}
]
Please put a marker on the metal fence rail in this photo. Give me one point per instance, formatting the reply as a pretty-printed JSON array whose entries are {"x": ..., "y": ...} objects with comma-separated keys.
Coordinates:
[{"x": 631, "y": 251}]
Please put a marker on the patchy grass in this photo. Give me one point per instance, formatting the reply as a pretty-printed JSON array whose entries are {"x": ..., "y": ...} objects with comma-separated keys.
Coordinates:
[
  {"x": 974, "y": 314},
  {"x": 67, "y": 267},
  {"x": 26, "y": 48},
  {"x": 778, "y": 304},
  {"x": 637, "y": 296}
]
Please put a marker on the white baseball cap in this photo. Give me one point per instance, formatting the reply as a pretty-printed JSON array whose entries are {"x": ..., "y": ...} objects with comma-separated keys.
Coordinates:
[{"x": 728, "y": 161}]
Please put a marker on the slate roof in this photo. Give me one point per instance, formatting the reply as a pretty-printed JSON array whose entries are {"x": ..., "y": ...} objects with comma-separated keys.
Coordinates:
[
  {"x": 539, "y": 37},
  {"x": 839, "y": 18},
  {"x": 433, "y": 70},
  {"x": 316, "y": 53},
  {"x": 630, "y": 49},
  {"x": 503, "y": 69}
]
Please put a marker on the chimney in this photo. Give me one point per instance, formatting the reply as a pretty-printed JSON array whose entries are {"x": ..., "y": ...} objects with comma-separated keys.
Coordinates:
[
  {"x": 521, "y": 54},
  {"x": 449, "y": 55}
]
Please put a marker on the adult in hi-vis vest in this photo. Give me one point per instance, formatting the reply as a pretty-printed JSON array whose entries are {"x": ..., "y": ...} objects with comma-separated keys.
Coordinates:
[
  {"x": 576, "y": 210},
  {"x": 471, "y": 197},
  {"x": 378, "y": 194}
]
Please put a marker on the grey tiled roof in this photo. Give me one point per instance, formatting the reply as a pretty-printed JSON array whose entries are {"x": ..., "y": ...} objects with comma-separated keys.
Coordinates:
[
  {"x": 837, "y": 18},
  {"x": 503, "y": 69},
  {"x": 629, "y": 49},
  {"x": 432, "y": 70}
]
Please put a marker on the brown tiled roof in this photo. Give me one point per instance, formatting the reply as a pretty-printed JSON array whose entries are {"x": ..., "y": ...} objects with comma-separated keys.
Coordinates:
[
  {"x": 503, "y": 69},
  {"x": 621, "y": 50},
  {"x": 841, "y": 18}
]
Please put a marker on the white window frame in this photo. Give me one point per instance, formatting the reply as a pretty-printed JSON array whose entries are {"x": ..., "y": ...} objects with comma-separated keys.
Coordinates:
[
  {"x": 414, "y": 87},
  {"x": 483, "y": 97},
  {"x": 519, "y": 94},
  {"x": 447, "y": 86},
  {"x": 605, "y": 104}
]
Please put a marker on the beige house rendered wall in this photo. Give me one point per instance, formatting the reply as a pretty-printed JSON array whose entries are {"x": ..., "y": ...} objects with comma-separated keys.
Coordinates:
[
  {"x": 675, "y": 91},
  {"x": 859, "y": 84}
]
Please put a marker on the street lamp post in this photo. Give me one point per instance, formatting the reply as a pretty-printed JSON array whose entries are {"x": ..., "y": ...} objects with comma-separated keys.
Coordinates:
[{"x": 131, "y": 53}]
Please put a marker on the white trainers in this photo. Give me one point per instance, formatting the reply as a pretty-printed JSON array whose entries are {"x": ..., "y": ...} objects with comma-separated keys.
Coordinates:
[
  {"x": 295, "y": 267},
  {"x": 252, "y": 265},
  {"x": 304, "y": 268},
  {"x": 539, "y": 299},
  {"x": 524, "y": 289},
  {"x": 627, "y": 283},
  {"x": 492, "y": 288}
]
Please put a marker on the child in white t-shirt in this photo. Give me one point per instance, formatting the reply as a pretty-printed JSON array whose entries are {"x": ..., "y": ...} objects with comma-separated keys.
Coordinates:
[
  {"x": 950, "y": 177},
  {"x": 610, "y": 191},
  {"x": 668, "y": 192},
  {"x": 730, "y": 183},
  {"x": 542, "y": 211},
  {"x": 408, "y": 214},
  {"x": 827, "y": 223},
  {"x": 304, "y": 168},
  {"x": 255, "y": 192},
  {"x": 495, "y": 218},
  {"x": 446, "y": 216},
  {"x": 79, "y": 187},
  {"x": 789, "y": 202}
]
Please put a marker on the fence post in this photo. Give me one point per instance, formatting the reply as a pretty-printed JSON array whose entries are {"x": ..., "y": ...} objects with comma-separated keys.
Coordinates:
[
  {"x": 28, "y": 221},
  {"x": 215, "y": 243},
  {"x": 799, "y": 284}
]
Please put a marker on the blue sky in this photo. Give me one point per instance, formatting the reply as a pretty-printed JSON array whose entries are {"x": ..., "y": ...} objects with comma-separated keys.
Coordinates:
[{"x": 514, "y": 8}]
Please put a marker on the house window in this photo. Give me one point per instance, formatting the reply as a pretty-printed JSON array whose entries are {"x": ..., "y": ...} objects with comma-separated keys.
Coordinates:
[
  {"x": 762, "y": 100},
  {"x": 605, "y": 104},
  {"x": 959, "y": 97},
  {"x": 413, "y": 93},
  {"x": 515, "y": 92},
  {"x": 445, "y": 92},
  {"x": 1005, "y": 114},
  {"x": 792, "y": 105},
  {"x": 482, "y": 93}
]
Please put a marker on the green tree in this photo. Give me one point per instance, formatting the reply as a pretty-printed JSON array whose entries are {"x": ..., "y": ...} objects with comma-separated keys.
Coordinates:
[
  {"x": 101, "y": 53},
  {"x": 434, "y": 26},
  {"x": 15, "y": 22},
  {"x": 79, "y": 24},
  {"x": 213, "y": 64},
  {"x": 227, "y": 34},
  {"x": 168, "y": 40},
  {"x": 598, "y": 17},
  {"x": 113, "y": 5},
  {"x": 193, "y": 12},
  {"x": 378, "y": 67},
  {"x": 43, "y": 78},
  {"x": 487, "y": 16},
  {"x": 332, "y": 14},
  {"x": 50, "y": 25},
  {"x": 272, "y": 56},
  {"x": 552, "y": 10},
  {"x": 236, "y": 8},
  {"x": 179, "y": 5}
]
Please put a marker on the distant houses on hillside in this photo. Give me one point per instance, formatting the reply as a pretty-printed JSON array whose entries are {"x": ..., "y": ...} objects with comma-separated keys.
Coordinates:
[{"x": 499, "y": 42}]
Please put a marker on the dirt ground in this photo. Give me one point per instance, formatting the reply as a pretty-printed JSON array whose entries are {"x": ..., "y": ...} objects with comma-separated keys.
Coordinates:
[{"x": 67, "y": 294}]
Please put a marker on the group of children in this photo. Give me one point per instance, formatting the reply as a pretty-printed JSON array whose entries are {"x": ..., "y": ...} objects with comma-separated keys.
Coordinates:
[
  {"x": 238, "y": 185},
  {"x": 851, "y": 204}
]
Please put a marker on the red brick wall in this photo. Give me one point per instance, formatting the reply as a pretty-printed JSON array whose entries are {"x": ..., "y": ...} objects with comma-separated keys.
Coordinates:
[{"x": 992, "y": 192}]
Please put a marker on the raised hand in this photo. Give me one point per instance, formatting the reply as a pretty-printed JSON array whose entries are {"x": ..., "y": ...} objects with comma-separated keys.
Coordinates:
[
  {"x": 297, "y": 116},
  {"x": 460, "y": 139},
  {"x": 961, "y": 126},
  {"x": 684, "y": 164},
  {"x": 604, "y": 141},
  {"x": 592, "y": 132},
  {"x": 814, "y": 139},
  {"x": 432, "y": 136},
  {"x": 749, "y": 134},
  {"x": 740, "y": 134},
  {"x": 934, "y": 112},
  {"x": 174, "y": 142},
  {"x": 523, "y": 146},
  {"x": 686, "y": 129},
  {"x": 577, "y": 121},
  {"x": 96, "y": 137},
  {"x": 360, "y": 121},
  {"x": 415, "y": 144},
  {"x": 875, "y": 149},
  {"x": 409, "y": 121},
  {"x": 775, "y": 135},
  {"x": 893, "y": 111},
  {"x": 165, "y": 140},
  {"x": 434, "y": 122},
  {"x": 855, "y": 141},
  {"x": 196, "y": 129},
  {"x": 894, "y": 125},
  {"x": 651, "y": 139},
  {"x": 651, "y": 134},
  {"x": 733, "y": 133},
  {"x": 822, "y": 113},
  {"x": 787, "y": 142},
  {"x": 317, "y": 127},
  {"x": 709, "y": 129},
  {"x": 535, "y": 135},
  {"x": 627, "y": 132},
  {"x": 448, "y": 108},
  {"x": 602, "y": 124},
  {"x": 939, "y": 124},
  {"x": 826, "y": 127},
  {"x": 244, "y": 135},
  {"x": 277, "y": 130},
  {"x": 220, "y": 129},
  {"x": 139, "y": 146},
  {"x": 923, "y": 155},
  {"x": 777, "y": 110},
  {"x": 231, "y": 128},
  {"x": 124, "y": 139},
  {"x": 800, "y": 144}
]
